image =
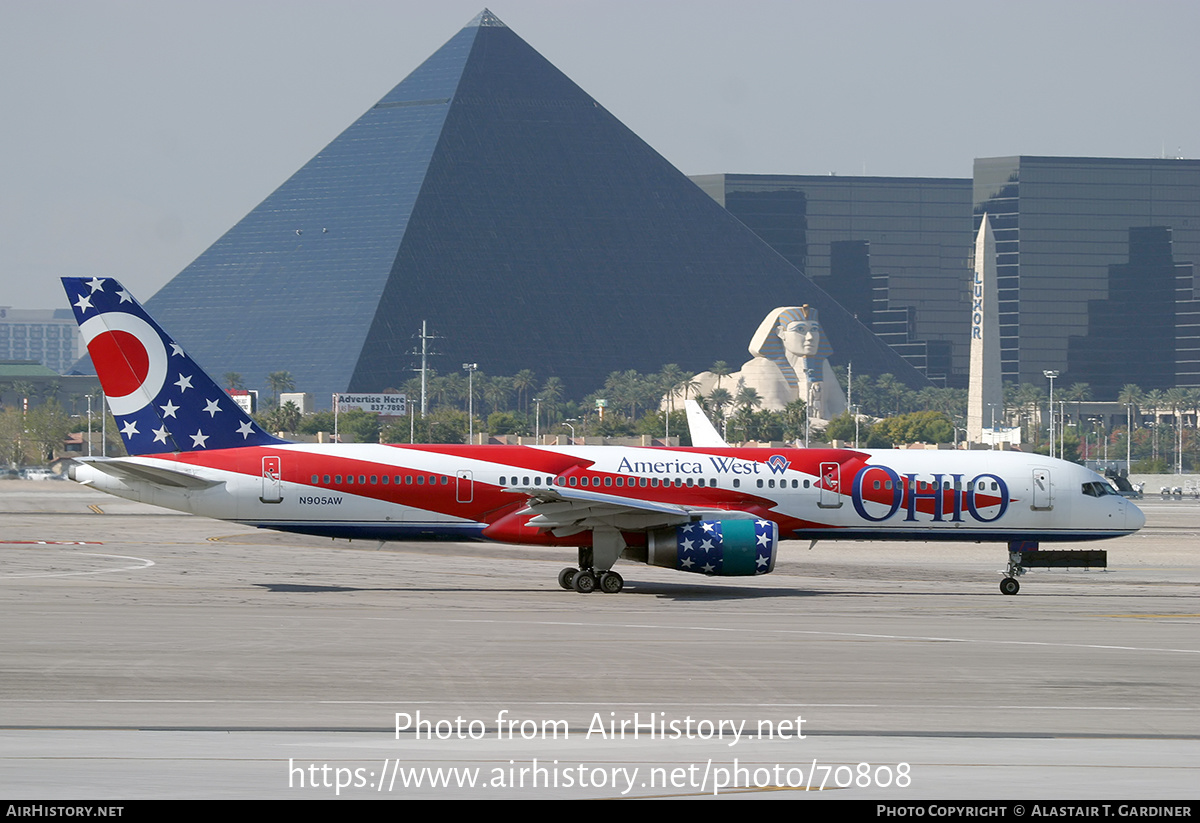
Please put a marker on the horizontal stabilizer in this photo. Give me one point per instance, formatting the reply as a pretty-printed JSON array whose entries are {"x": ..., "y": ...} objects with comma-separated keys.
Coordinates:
[{"x": 155, "y": 475}]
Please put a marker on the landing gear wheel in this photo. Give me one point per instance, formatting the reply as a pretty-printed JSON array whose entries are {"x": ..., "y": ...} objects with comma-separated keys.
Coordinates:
[
  {"x": 611, "y": 582},
  {"x": 566, "y": 576},
  {"x": 1009, "y": 585},
  {"x": 584, "y": 581}
]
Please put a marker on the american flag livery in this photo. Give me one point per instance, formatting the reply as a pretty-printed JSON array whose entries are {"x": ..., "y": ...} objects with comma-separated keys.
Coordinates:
[
  {"x": 711, "y": 509},
  {"x": 162, "y": 401},
  {"x": 730, "y": 547}
]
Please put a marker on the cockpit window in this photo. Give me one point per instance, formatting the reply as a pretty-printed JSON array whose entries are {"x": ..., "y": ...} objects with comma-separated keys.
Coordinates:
[{"x": 1098, "y": 489}]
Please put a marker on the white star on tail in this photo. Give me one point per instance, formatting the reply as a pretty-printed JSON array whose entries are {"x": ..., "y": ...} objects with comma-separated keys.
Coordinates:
[
  {"x": 198, "y": 439},
  {"x": 96, "y": 284},
  {"x": 160, "y": 435},
  {"x": 84, "y": 303},
  {"x": 184, "y": 383},
  {"x": 129, "y": 429},
  {"x": 246, "y": 429},
  {"x": 169, "y": 409},
  {"x": 212, "y": 408}
]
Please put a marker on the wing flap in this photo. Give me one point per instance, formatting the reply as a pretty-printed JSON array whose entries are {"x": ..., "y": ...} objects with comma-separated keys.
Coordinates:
[{"x": 564, "y": 508}]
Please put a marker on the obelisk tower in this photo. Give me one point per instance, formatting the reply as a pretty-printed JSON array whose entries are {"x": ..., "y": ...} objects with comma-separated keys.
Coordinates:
[{"x": 985, "y": 399}]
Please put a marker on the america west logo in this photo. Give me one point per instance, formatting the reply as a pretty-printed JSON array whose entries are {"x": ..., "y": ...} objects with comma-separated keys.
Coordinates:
[{"x": 778, "y": 463}]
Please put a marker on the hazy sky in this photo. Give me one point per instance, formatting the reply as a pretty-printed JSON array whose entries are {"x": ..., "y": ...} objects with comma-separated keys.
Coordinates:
[{"x": 136, "y": 132}]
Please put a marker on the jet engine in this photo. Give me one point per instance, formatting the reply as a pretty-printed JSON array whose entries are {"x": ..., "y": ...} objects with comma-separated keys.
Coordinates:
[{"x": 722, "y": 548}]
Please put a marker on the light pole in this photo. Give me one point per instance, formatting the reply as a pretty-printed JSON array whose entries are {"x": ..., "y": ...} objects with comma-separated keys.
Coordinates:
[
  {"x": 537, "y": 420},
  {"x": 1062, "y": 428},
  {"x": 471, "y": 367},
  {"x": 567, "y": 423},
  {"x": 1128, "y": 435},
  {"x": 854, "y": 409},
  {"x": 813, "y": 389},
  {"x": 1051, "y": 373},
  {"x": 89, "y": 397}
]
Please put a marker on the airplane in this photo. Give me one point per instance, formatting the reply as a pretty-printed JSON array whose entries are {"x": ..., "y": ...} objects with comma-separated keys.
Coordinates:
[{"x": 709, "y": 509}]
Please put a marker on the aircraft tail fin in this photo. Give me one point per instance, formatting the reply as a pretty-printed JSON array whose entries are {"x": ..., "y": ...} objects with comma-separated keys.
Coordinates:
[
  {"x": 704, "y": 434},
  {"x": 136, "y": 361}
]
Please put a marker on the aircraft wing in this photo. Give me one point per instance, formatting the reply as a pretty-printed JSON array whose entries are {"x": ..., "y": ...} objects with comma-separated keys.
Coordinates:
[
  {"x": 141, "y": 473},
  {"x": 566, "y": 511}
]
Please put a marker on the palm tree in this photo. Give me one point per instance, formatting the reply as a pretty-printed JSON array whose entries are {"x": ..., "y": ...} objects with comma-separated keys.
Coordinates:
[
  {"x": 523, "y": 381},
  {"x": 496, "y": 391},
  {"x": 720, "y": 369},
  {"x": 280, "y": 381},
  {"x": 670, "y": 378},
  {"x": 1154, "y": 400},
  {"x": 1029, "y": 400},
  {"x": 718, "y": 400},
  {"x": 1176, "y": 399},
  {"x": 747, "y": 398},
  {"x": 552, "y": 395}
]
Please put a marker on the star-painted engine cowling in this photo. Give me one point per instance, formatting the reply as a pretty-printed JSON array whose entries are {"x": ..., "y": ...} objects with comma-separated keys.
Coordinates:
[{"x": 722, "y": 548}]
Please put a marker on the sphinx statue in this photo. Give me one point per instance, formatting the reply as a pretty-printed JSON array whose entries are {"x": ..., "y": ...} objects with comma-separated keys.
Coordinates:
[{"x": 790, "y": 362}]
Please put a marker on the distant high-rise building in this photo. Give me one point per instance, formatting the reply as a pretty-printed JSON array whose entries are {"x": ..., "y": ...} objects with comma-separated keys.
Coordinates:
[
  {"x": 1090, "y": 253},
  {"x": 492, "y": 197},
  {"x": 49, "y": 336},
  {"x": 893, "y": 251}
]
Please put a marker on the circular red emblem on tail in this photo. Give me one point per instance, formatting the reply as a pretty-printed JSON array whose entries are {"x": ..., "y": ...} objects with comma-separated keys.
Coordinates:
[{"x": 129, "y": 357}]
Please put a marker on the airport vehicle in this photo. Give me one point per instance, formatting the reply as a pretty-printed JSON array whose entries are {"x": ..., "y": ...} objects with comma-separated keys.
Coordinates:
[{"x": 709, "y": 509}]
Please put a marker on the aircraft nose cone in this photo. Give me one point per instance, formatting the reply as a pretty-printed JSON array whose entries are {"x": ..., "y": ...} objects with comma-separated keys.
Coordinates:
[{"x": 1134, "y": 517}]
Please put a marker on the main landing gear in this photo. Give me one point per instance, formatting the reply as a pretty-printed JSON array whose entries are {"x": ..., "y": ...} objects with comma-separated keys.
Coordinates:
[{"x": 587, "y": 578}]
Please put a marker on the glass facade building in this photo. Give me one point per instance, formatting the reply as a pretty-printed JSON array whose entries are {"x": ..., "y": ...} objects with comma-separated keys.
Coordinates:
[
  {"x": 893, "y": 250},
  {"x": 1095, "y": 263},
  {"x": 490, "y": 196}
]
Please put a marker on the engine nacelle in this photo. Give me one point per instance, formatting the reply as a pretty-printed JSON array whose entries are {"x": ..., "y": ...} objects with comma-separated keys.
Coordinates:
[{"x": 723, "y": 548}]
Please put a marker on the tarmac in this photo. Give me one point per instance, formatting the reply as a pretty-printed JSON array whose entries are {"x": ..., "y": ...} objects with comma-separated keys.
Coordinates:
[{"x": 148, "y": 654}]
